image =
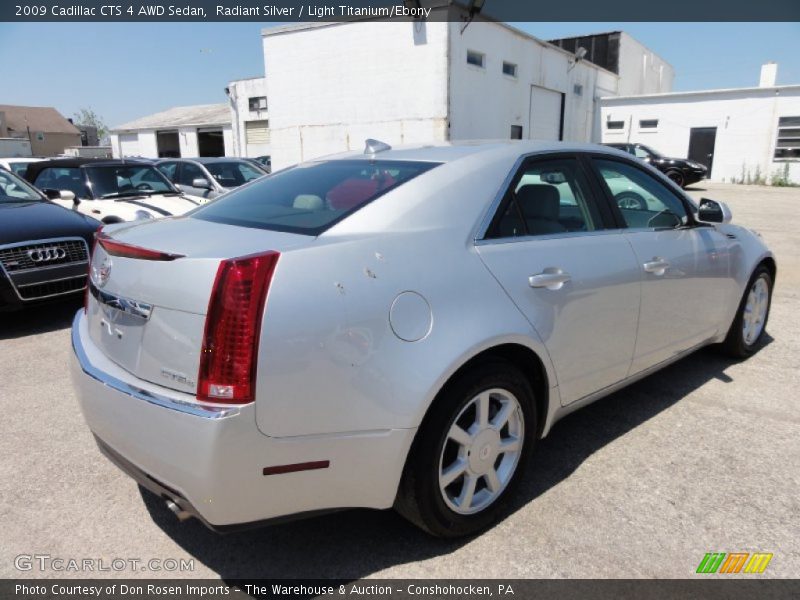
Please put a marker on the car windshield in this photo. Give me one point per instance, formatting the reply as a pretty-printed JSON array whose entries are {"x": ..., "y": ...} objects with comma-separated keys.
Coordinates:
[
  {"x": 14, "y": 189},
  {"x": 233, "y": 174},
  {"x": 115, "y": 181},
  {"x": 309, "y": 199}
]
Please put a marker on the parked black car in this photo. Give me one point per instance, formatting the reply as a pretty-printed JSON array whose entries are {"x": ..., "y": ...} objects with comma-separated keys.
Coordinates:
[
  {"x": 44, "y": 248},
  {"x": 681, "y": 170}
]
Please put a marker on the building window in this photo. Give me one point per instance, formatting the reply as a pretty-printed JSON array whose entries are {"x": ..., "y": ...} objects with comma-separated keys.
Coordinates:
[
  {"x": 509, "y": 69},
  {"x": 615, "y": 124},
  {"x": 258, "y": 103},
  {"x": 516, "y": 132},
  {"x": 648, "y": 124},
  {"x": 787, "y": 146},
  {"x": 577, "y": 89},
  {"x": 477, "y": 59},
  {"x": 256, "y": 132}
]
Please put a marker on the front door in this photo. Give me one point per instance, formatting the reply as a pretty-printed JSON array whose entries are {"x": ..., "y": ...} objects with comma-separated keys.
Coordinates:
[
  {"x": 701, "y": 145},
  {"x": 574, "y": 279},
  {"x": 684, "y": 269}
]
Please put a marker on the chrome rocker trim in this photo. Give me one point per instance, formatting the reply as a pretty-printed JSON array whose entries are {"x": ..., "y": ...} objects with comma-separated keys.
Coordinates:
[{"x": 189, "y": 408}]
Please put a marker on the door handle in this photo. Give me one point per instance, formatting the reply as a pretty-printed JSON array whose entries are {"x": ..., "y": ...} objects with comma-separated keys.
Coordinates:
[
  {"x": 551, "y": 279},
  {"x": 657, "y": 266}
]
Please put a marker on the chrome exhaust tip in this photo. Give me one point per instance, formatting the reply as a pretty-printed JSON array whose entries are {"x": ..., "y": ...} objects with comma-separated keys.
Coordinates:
[{"x": 177, "y": 510}]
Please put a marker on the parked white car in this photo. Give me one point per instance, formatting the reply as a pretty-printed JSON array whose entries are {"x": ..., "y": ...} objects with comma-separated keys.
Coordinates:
[
  {"x": 397, "y": 328},
  {"x": 18, "y": 165},
  {"x": 111, "y": 191}
]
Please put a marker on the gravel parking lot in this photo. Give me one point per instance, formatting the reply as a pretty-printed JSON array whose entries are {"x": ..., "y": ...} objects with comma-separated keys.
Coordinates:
[{"x": 701, "y": 457}]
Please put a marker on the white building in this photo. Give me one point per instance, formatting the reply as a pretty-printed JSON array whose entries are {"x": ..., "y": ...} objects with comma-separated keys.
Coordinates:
[
  {"x": 743, "y": 134},
  {"x": 332, "y": 85},
  {"x": 203, "y": 130},
  {"x": 249, "y": 117}
]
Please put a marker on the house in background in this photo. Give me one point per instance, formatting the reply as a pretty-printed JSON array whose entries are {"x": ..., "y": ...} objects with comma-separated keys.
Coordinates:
[
  {"x": 48, "y": 130},
  {"x": 189, "y": 131}
]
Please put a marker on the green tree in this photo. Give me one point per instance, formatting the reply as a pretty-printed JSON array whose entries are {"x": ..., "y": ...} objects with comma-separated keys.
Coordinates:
[{"x": 89, "y": 118}]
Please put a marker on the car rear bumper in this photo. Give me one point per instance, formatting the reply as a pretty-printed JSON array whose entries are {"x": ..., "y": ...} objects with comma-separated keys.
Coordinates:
[{"x": 210, "y": 461}]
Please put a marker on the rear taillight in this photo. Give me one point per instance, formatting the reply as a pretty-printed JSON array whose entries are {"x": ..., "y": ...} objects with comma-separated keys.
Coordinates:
[
  {"x": 233, "y": 325},
  {"x": 117, "y": 248},
  {"x": 89, "y": 272}
]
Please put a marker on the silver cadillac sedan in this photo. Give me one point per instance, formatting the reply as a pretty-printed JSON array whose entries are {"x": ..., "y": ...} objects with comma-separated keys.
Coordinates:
[{"x": 398, "y": 327}]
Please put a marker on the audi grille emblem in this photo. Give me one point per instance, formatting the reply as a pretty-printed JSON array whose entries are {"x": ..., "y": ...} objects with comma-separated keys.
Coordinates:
[{"x": 40, "y": 255}]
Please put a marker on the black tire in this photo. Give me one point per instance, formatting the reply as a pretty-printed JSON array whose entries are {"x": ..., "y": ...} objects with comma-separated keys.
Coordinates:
[
  {"x": 419, "y": 497},
  {"x": 677, "y": 177},
  {"x": 735, "y": 344}
]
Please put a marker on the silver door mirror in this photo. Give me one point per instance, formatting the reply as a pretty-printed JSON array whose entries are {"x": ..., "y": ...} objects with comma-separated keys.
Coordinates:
[
  {"x": 68, "y": 195},
  {"x": 711, "y": 211},
  {"x": 202, "y": 183}
]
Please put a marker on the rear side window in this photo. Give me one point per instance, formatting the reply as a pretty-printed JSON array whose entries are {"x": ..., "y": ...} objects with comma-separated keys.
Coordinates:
[{"x": 309, "y": 199}]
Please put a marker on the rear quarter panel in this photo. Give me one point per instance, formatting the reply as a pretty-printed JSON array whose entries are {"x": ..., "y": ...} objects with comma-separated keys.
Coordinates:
[{"x": 329, "y": 361}]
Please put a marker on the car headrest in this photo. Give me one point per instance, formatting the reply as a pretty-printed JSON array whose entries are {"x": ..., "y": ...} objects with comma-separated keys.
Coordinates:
[
  {"x": 539, "y": 201},
  {"x": 308, "y": 202}
]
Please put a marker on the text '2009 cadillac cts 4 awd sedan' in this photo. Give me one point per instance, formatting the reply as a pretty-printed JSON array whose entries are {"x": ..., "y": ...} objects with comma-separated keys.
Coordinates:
[{"x": 397, "y": 328}]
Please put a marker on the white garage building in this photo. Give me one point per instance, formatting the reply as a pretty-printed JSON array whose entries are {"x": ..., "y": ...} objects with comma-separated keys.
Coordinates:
[
  {"x": 749, "y": 135},
  {"x": 331, "y": 85},
  {"x": 203, "y": 130}
]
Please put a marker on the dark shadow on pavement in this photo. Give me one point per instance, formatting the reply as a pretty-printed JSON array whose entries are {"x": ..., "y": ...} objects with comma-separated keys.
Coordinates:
[
  {"x": 42, "y": 318},
  {"x": 357, "y": 543}
]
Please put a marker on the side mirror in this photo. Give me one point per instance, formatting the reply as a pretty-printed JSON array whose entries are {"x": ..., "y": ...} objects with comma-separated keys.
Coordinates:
[
  {"x": 68, "y": 195},
  {"x": 202, "y": 183},
  {"x": 711, "y": 211}
]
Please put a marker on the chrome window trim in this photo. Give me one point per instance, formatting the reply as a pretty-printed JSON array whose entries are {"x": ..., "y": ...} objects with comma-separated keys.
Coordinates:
[
  {"x": 45, "y": 241},
  {"x": 548, "y": 236},
  {"x": 176, "y": 404}
]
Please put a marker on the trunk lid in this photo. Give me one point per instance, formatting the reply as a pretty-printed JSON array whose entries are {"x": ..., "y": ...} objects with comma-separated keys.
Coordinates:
[{"x": 148, "y": 316}]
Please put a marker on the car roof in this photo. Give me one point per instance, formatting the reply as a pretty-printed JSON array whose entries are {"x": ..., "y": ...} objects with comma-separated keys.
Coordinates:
[
  {"x": 204, "y": 160},
  {"x": 73, "y": 163},
  {"x": 443, "y": 152}
]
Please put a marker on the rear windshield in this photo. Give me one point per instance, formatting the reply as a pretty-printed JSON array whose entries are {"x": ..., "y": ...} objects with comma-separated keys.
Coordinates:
[{"x": 309, "y": 199}]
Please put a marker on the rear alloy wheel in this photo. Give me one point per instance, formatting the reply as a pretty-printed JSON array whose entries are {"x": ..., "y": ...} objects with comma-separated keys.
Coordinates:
[
  {"x": 677, "y": 177},
  {"x": 751, "y": 318},
  {"x": 630, "y": 201},
  {"x": 469, "y": 452}
]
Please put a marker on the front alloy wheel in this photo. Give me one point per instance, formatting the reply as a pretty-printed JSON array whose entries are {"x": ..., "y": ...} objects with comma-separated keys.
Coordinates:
[{"x": 748, "y": 326}]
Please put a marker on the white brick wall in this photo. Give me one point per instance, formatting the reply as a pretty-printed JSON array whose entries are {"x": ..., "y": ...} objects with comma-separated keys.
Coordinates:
[{"x": 746, "y": 122}]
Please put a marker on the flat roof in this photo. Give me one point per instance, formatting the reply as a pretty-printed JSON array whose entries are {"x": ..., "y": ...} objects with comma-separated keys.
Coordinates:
[
  {"x": 201, "y": 115},
  {"x": 722, "y": 91}
]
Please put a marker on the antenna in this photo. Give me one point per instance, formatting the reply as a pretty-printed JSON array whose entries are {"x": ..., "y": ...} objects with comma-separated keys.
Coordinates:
[{"x": 375, "y": 146}]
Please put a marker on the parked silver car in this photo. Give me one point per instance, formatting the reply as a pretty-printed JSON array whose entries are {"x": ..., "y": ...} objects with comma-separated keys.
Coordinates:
[
  {"x": 206, "y": 178},
  {"x": 399, "y": 327}
]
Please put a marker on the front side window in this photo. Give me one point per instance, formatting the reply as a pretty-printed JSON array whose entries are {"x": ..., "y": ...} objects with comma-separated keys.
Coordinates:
[
  {"x": 62, "y": 179},
  {"x": 19, "y": 168},
  {"x": 14, "y": 189},
  {"x": 168, "y": 169},
  {"x": 189, "y": 172},
  {"x": 308, "y": 199},
  {"x": 643, "y": 201},
  {"x": 114, "y": 181},
  {"x": 233, "y": 174},
  {"x": 547, "y": 197}
]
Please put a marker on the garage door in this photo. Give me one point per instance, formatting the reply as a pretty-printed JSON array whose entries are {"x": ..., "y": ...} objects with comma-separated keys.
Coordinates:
[
  {"x": 257, "y": 132},
  {"x": 129, "y": 144},
  {"x": 545, "y": 114}
]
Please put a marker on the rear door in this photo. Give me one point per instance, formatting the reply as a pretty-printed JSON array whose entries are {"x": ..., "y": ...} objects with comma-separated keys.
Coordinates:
[
  {"x": 684, "y": 268},
  {"x": 555, "y": 250}
]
